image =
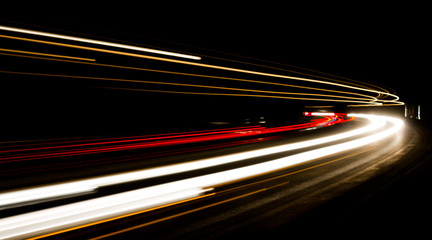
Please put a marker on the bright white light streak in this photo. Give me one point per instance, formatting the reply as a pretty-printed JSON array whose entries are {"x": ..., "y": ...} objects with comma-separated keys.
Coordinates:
[
  {"x": 319, "y": 114},
  {"x": 98, "y": 42},
  {"x": 80, "y": 213},
  {"x": 31, "y": 224},
  {"x": 23, "y": 197}
]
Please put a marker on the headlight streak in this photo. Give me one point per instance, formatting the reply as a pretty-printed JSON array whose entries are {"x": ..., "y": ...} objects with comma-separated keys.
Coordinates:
[
  {"x": 373, "y": 102},
  {"x": 104, "y": 43},
  {"x": 85, "y": 212}
]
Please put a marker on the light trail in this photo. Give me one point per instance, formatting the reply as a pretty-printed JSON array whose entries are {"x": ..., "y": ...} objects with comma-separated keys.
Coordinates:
[
  {"x": 219, "y": 193},
  {"x": 46, "y": 54},
  {"x": 348, "y": 99},
  {"x": 88, "y": 211},
  {"x": 385, "y": 94},
  {"x": 26, "y": 154},
  {"x": 335, "y": 78},
  {"x": 102, "y": 209},
  {"x": 98, "y": 42},
  {"x": 242, "y": 95},
  {"x": 368, "y": 97},
  {"x": 51, "y": 192},
  {"x": 85, "y": 186}
]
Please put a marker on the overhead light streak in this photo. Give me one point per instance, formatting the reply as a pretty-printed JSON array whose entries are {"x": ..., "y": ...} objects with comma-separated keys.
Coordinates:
[
  {"x": 334, "y": 77},
  {"x": 98, "y": 42},
  {"x": 336, "y": 97},
  {"x": 209, "y": 66},
  {"x": 370, "y": 98},
  {"x": 240, "y": 95}
]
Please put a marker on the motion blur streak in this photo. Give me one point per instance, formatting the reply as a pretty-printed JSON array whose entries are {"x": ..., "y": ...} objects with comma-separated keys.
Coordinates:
[
  {"x": 26, "y": 154},
  {"x": 203, "y": 65},
  {"x": 93, "y": 210},
  {"x": 78, "y": 39},
  {"x": 85, "y": 212},
  {"x": 58, "y": 190},
  {"x": 209, "y": 86}
]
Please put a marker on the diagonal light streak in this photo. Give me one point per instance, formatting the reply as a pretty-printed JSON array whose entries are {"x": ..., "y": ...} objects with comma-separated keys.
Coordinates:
[
  {"x": 197, "y": 86},
  {"x": 46, "y": 54},
  {"x": 98, "y": 42},
  {"x": 208, "y": 66}
]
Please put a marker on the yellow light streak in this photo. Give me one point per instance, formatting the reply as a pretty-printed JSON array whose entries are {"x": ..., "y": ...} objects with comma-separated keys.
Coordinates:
[
  {"x": 120, "y": 217},
  {"x": 395, "y": 103},
  {"x": 327, "y": 106},
  {"x": 196, "y": 198},
  {"x": 46, "y": 54},
  {"x": 238, "y": 95},
  {"x": 203, "y": 65},
  {"x": 182, "y": 84},
  {"x": 356, "y": 83},
  {"x": 98, "y": 42},
  {"x": 371, "y": 98},
  {"x": 180, "y": 214}
]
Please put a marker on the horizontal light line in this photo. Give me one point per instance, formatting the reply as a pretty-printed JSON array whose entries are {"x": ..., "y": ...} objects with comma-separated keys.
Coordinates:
[{"x": 98, "y": 42}]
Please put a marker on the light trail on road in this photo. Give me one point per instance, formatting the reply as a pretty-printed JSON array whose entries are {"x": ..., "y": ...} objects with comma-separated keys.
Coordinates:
[
  {"x": 49, "y": 193},
  {"x": 142, "y": 142},
  {"x": 94, "y": 210},
  {"x": 109, "y": 178}
]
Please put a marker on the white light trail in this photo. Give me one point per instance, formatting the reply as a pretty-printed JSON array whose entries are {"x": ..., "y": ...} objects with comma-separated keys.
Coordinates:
[
  {"x": 98, "y": 42},
  {"x": 28, "y": 225},
  {"x": 22, "y": 197},
  {"x": 85, "y": 212}
]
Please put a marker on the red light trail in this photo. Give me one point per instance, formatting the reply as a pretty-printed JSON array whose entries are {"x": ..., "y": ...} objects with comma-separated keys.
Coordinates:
[{"x": 73, "y": 148}]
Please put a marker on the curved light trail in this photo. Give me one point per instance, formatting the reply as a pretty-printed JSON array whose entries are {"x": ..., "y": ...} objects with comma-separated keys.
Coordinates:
[
  {"x": 51, "y": 192},
  {"x": 142, "y": 142},
  {"x": 376, "y": 101},
  {"x": 89, "y": 212},
  {"x": 227, "y": 81}
]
